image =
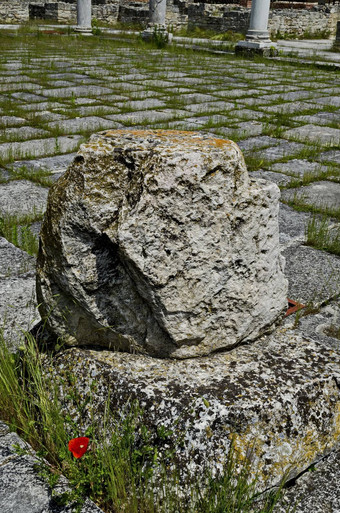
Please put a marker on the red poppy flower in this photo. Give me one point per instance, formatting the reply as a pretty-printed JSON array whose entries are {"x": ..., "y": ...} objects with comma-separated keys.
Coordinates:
[{"x": 78, "y": 446}]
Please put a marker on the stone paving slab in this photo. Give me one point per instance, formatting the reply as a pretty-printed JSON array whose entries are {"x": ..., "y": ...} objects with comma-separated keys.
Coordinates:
[
  {"x": 73, "y": 126},
  {"x": 250, "y": 128},
  {"x": 56, "y": 164},
  {"x": 145, "y": 115},
  {"x": 42, "y": 106},
  {"x": 329, "y": 156},
  {"x": 319, "y": 326},
  {"x": 216, "y": 106},
  {"x": 23, "y": 132},
  {"x": 258, "y": 142},
  {"x": 322, "y": 118},
  {"x": 13, "y": 261},
  {"x": 321, "y": 194},
  {"x": 6, "y": 121},
  {"x": 96, "y": 110},
  {"x": 29, "y": 97},
  {"x": 18, "y": 306},
  {"x": 290, "y": 96},
  {"x": 292, "y": 225},
  {"x": 278, "y": 178},
  {"x": 22, "y": 197},
  {"x": 290, "y": 107},
  {"x": 276, "y": 152},
  {"x": 299, "y": 167},
  {"x": 313, "y": 275},
  {"x": 69, "y": 92},
  {"x": 250, "y": 115},
  {"x": 40, "y": 147},
  {"x": 333, "y": 101},
  {"x": 325, "y": 135},
  {"x": 149, "y": 103}
]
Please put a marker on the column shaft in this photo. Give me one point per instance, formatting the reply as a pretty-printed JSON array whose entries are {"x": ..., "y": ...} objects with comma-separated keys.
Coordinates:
[
  {"x": 84, "y": 16},
  {"x": 157, "y": 11},
  {"x": 258, "y": 26}
]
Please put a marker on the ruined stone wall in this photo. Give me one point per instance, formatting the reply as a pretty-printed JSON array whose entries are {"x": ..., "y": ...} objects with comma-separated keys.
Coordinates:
[
  {"x": 219, "y": 17},
  {"x": 12, "y": 11},
  {"x": 320, "y": 18}
]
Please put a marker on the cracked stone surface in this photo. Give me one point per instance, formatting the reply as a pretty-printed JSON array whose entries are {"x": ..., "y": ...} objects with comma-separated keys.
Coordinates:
[
  {"x": 316, "y": 491},
  {"x": 183, "y": 239}
]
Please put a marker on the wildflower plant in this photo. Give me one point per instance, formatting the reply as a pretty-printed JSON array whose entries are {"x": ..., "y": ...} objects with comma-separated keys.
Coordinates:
[{"x": 117, "y": 462}]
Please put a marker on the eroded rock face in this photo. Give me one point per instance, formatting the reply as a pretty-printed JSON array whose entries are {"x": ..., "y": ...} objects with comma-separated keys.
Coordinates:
[{"x": 158, "y": 242}]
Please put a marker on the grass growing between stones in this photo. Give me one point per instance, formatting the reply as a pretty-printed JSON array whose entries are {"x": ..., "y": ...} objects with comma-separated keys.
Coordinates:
[
  {"x": 17, "y": 230},
  {"x": 123, "y": 470},
  {"x": 39, "y": 176},
  {"x": 331, "y": 174},
  {"x": 321, "y": 235},
  {"x": 301, "y": 205}
]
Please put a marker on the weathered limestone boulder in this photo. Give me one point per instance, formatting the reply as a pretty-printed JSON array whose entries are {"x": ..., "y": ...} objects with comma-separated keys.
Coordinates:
[
  {"x": 278, "y": 398},
  {"x": 158, "y": 242}
]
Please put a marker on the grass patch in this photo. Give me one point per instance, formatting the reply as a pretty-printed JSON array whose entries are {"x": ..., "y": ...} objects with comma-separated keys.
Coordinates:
[
  {"x": 255, "y": 163},
  {"x": 123, "y": 470},
  {"x": 39, "y": 176},
  {"x": 17, "y": 230},
  {"x": 321, "y": 235}
]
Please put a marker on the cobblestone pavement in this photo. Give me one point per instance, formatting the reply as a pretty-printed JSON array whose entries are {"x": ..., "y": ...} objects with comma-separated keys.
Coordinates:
[{"x": 56, "y": 91}]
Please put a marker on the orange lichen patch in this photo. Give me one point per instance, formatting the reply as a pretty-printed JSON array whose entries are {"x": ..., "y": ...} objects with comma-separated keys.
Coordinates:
[{"x": 182, "y": 137}]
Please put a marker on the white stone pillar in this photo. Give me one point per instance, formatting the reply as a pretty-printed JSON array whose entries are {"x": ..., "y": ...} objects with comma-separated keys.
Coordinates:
[
  {"x": 336, "y": 45},
  {"x": 157, "y": 13},
  {"x": 257, "y": 38},
  {"x": 84, "y": 25}
]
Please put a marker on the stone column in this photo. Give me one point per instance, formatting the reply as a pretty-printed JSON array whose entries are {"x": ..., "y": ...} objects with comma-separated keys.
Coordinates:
[
  {"x": 336, "y": 45},
  {"x": 157, "y": 12},
  {"x": 84, "y": 17},
  {"x": 257, "y": 38}
]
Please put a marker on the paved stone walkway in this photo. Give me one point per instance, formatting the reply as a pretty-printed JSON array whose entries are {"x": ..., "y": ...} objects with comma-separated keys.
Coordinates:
[{"x": 54, "y": 92}]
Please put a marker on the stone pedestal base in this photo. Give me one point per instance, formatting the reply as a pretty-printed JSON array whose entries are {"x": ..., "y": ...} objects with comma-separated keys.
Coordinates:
[
  {"x": 84, "y": 31},
  {"x": 277, "y": 399},
  {"x": 157, "y": 32},
  {"x": 266, "y": 48}
]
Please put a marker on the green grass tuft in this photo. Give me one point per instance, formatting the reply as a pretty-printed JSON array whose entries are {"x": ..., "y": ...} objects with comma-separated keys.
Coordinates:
[
  {"x": 321, "y": 235},
  {"x": 16, "y": 229}
]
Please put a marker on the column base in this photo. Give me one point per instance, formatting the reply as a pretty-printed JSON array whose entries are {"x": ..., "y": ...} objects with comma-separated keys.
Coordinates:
[
  {"x": 157, "y": 32},
  {"x": 266, "y": 48},
  {"x": 84, "y": 31}
]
